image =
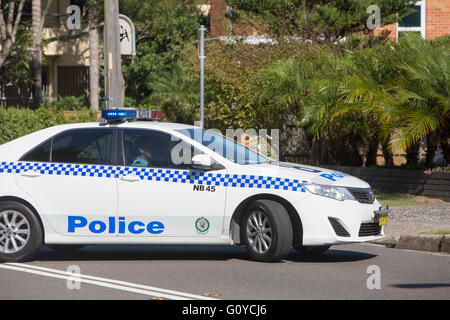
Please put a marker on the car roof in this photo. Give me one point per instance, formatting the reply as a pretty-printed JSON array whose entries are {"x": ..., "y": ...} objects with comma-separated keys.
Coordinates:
[
  {"x": 127, "y": 124},
  {"x": 155, "y": 125},
  {"x": 12, "y": 150}
]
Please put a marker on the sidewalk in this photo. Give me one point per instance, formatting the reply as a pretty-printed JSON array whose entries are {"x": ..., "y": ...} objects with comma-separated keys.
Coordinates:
[{"x": 406, "y": 223}]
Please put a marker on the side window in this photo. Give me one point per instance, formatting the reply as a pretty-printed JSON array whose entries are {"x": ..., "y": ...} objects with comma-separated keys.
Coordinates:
[
  {"x": 86, "y": 146},
  {"x": 41, "y": 153},
  {"x": 146, "y": 148}
]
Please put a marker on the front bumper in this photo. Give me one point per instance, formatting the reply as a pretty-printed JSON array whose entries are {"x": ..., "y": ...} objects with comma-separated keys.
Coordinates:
[{"x": 327, "y": 221}]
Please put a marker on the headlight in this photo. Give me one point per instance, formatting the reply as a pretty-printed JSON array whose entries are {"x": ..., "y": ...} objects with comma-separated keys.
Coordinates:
[{"x": 338, "y": 193}]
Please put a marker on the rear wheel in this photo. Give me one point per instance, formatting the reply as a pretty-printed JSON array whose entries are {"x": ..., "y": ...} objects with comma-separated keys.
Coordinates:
[
  {"x": 21, "y": 234},
  {"x": 267, "y": 231}
]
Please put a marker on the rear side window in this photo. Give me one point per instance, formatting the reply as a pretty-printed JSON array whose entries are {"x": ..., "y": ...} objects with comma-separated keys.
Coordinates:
[
  {"x": 39, "y": 154},
  {"x": 88, "y": 146}
]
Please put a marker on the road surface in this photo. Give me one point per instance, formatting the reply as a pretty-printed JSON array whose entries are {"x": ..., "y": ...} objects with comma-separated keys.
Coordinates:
[{"x": 221, "y": 272}]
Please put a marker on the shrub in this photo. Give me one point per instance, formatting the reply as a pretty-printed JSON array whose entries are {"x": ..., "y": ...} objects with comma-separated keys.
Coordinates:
[{"x": 15, "y": 123}]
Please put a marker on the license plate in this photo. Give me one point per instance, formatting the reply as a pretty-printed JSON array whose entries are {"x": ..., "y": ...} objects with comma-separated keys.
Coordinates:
[{"x": 382, "y": 219}]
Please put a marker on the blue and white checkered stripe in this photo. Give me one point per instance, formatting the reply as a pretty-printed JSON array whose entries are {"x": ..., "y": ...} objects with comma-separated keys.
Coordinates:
[{"x": 153, "y": 174}]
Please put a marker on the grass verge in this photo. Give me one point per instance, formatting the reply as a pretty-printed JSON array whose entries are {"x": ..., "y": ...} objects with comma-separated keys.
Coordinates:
[
  {"x": 400, "y": 199},
  {"x": 440, "y": 233}
]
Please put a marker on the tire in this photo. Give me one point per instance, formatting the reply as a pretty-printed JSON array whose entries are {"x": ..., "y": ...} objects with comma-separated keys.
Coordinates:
[
  {"x": 312, "y": 250},
  {"x": 65, "y": 247},
  {"x": 21, "y": 234},
  {"x": 267, "y": 231}
]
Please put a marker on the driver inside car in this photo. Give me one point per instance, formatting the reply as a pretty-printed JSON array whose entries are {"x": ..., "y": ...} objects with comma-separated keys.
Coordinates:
[
  {"x": 150, "y": 153},
  {"x": 145, "y": 152}
]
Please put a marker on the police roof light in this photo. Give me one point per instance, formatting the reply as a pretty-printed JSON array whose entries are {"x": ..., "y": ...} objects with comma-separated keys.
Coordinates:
[
  {"x": 149, "y": 114},
  {"x": 119, "y": 114},
  {"x": 123, "y": 114}
]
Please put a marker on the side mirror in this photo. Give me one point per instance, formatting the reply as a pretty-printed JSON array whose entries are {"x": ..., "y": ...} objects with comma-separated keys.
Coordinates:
[{"x": 202, "y": 161}]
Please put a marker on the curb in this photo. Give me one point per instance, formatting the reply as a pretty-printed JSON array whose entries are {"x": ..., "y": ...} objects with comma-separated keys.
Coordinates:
[{"x": 419, "y": 242}]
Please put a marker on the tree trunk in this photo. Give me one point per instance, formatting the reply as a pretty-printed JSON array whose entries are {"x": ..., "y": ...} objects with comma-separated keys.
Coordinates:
[
  {"x": 371, "y": 155},
  {"x": 315, "y": 151},
  {"x": 36, "y": 56},
  {"x": 5, "y": 51},
  {"x": 9, "y": 28},
  {"x": 94, "y": 55},
  {"x": 412, "y": 153},
  {"x": 432, "y": 144},
  {"x": 444, "y": 141},
  {"x": 387, "y": 154}
]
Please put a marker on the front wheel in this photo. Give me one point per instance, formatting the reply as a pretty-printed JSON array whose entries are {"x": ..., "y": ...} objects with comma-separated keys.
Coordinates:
[
  {"x": 21, "y": 233},
  {"x": 267, "y": 231}
]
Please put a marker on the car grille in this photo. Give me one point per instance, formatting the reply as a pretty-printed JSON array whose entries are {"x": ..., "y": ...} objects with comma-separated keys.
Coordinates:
[
  {"x": 369, "y": 229},
  {"x": 338, "y": 228},
  {"x": 362, "y": 195}
]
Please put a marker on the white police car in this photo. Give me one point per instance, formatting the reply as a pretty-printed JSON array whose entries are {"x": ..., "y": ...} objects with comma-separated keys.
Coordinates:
[{"x": 138, "y": 182}]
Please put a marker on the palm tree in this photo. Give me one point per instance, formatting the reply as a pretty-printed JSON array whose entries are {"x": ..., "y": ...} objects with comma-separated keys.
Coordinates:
[
  {"x": 282, "y": 90},
  {"x": 177, "y": 93},
  {"x": 420, "y": 104},
  {"x": 365, "y": 89}
]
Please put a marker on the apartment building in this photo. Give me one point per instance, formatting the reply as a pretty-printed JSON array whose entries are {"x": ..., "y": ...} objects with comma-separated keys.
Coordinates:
[
  {"x": 65, "y": 69},
  {"x": 431, "y": 20}
]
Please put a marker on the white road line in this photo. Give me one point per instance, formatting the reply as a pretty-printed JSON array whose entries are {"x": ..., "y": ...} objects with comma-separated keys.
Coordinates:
[{"x": 104, "y": 282}]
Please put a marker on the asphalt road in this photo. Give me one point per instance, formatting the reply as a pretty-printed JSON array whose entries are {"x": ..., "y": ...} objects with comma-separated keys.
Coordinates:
[{"x": 174, "y": 272}]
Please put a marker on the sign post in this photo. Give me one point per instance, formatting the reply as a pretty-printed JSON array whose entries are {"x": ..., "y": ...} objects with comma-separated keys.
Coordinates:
[
  {"x": 127, "y": 36},
  {"x": 202, "y": 74}
]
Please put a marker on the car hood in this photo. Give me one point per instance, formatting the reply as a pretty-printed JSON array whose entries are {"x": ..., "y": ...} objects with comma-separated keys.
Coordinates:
[{"x": 304, "y": 173}]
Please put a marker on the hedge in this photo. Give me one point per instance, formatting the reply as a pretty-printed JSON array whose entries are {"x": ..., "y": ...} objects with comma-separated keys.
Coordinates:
[
  {"x": 436, "y": 185},
  {"x": 15, "y": 122}
]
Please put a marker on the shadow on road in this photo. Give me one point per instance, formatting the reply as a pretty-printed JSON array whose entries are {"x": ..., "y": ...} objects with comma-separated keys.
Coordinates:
[
  {"x": 213, "y": 253},
  {"x": 420, "y": 285},
  {"x": 332, "y": 255}
]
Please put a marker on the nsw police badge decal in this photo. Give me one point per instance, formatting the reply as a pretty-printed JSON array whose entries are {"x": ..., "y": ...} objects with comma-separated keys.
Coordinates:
[{"x": 202, "y": 225}]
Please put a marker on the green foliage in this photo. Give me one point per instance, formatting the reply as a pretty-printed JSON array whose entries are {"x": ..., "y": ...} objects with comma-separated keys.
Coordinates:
[
  {"x": 163, "y": 28},
  {"x": 15, "y": 122},
  {"x": 16, "y": 69},
  {"x": 67, "y": 103},
  {"x": 349, "y": 96},
  {"x": 421, "y": 102}
]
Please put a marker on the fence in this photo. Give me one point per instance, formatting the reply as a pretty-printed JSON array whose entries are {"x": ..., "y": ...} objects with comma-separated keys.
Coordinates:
[
  {"x": 436, "y": 185},
  {"x": 70, "y": 81}
]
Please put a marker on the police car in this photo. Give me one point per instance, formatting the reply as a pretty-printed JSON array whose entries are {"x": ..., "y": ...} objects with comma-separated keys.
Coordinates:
[{"x": 151, "y": 183}]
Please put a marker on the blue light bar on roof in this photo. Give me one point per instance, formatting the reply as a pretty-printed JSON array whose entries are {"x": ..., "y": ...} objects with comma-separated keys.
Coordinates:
[
  {"x": 119, "y": 114},
  {"x": 113, "y": 115}
]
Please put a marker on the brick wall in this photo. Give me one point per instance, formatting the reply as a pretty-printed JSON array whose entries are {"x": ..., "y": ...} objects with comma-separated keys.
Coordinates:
[
  {"x": 218, "y": 25},
  {"x": 216, "y": 15},
  {"x": 437, "y": 18},
  {"x": 391, "y": 28}
]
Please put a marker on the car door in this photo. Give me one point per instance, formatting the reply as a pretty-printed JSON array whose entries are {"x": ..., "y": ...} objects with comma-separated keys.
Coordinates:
[
  {"x": 72, "y": 179},
  {"x": 163, "y": 196}
]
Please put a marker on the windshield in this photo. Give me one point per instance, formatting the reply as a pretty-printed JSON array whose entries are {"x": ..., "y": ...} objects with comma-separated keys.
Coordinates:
[{"x": 225, "y": 147}]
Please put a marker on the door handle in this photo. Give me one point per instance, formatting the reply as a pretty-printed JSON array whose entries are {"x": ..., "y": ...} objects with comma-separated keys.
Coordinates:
[
  {"x": 31, "y": 174},
  {"x": 130, "y": 178}
]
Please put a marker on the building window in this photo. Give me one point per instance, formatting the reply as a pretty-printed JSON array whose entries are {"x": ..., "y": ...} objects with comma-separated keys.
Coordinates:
[{"x": 415, "y": 22}]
